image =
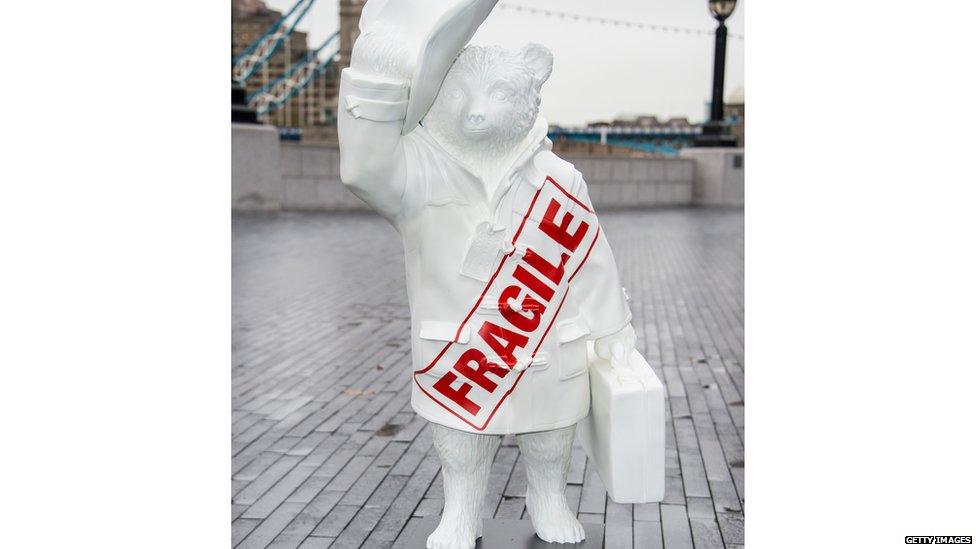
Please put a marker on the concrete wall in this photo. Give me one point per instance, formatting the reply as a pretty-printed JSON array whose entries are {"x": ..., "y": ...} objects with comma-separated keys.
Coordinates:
[
  {"x": 255, "y": 171},
  {"x": 270, "y": 175},
  {"x": 622, "y": 182},
  {"x": 310, "y": 179},
  {"x": 719, "y": 176}
]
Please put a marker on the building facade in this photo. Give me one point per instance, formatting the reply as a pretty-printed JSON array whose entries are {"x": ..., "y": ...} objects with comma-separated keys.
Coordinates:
[{"x": 349, "y": 12}]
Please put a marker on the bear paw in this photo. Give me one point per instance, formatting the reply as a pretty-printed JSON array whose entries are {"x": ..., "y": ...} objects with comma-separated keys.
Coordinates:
[
  {"x": 453, "y": 533},
  {"x": 553, "y": 521}
]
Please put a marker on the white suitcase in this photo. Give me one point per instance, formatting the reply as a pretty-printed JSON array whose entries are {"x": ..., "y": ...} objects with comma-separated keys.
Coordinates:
[{"x": 624, "y": 433}]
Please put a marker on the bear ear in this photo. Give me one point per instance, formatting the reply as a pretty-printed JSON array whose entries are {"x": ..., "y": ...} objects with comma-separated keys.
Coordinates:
[{"x": 538, "y": 59}]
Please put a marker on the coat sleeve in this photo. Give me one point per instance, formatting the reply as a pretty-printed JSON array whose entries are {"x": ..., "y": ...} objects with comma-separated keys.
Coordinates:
[
  {"x": 371, "y": 156},
  {"x": 601, "y": 298}
]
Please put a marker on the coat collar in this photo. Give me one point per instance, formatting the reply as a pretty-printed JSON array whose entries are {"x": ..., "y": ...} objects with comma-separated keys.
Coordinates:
[
  {"x": 522, "y": 169},
  {"x": 534, "y": 142}
]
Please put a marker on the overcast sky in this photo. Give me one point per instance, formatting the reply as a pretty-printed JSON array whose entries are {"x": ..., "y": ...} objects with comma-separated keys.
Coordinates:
[{"x": 602, "y": 72}]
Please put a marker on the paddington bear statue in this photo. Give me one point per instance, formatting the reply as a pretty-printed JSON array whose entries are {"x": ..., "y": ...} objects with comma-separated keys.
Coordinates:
[{"x": 508, "y": 271}]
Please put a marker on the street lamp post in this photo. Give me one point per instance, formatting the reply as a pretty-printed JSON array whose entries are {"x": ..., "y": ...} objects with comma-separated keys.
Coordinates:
[{"x": 714, "y": 131}]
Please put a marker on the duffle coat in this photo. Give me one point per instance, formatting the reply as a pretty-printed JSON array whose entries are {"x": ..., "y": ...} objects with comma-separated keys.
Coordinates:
[{"x": 504, "y": 290}]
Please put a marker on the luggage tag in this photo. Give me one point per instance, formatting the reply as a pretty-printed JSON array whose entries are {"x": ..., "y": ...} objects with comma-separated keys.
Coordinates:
[{"x": 488, "y": 241}]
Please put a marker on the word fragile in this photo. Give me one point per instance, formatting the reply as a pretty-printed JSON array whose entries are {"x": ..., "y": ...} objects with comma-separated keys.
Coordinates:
[{"x": 532, "y": 291}]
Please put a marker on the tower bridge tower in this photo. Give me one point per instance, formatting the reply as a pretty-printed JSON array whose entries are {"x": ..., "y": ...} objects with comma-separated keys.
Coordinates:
[{"x": 349, "y": 12}]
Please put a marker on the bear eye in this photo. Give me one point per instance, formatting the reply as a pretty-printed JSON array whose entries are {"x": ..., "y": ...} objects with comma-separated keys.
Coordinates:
[
  {"x": 499, "y": 95},
  {"x": 455, "y": 93}
]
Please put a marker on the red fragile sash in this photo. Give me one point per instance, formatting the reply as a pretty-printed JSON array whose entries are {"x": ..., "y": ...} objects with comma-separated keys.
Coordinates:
[{"x": 471, "y": 381}]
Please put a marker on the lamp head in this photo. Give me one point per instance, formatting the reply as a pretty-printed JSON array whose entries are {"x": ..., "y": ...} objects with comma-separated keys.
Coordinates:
[{"x": 721, "y": 9}]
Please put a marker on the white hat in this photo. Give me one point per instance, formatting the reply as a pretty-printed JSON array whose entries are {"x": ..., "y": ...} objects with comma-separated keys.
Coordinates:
[{"x": 442, "y": 28}]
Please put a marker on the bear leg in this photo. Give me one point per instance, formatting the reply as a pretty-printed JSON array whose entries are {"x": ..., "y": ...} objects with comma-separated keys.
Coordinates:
[
  {"x": 547, "y": 455},
  {"x": 465, "y": 463}
]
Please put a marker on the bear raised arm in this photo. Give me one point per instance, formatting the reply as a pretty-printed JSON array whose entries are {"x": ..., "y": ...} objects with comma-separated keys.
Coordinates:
[
  {"x": 376, "y": 105},
  {"x": 373, "y": 93}
]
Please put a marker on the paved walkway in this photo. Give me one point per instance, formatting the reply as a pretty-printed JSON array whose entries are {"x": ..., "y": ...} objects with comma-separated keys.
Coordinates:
[{"x": 327, "y": 451}]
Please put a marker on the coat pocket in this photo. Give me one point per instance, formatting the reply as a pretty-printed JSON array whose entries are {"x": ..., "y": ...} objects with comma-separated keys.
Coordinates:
[
  {"x": 435, "y": 337},
  {"x": 572, "y": 334}
]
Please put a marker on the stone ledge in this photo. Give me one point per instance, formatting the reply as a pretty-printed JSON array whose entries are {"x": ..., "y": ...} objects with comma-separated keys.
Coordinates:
[{"x": 270, "y": 175}]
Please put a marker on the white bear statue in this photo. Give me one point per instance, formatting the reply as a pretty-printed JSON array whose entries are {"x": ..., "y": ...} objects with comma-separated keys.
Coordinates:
[{"x": 508, "y": 272}]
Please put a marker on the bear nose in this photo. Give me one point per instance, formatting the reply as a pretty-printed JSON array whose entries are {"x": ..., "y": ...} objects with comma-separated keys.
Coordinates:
[{"x": 476, "y": 117}]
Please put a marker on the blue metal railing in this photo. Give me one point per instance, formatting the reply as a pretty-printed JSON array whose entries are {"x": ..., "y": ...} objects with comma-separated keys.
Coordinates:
[
  {"x": 667, "y": 144},
  {"x": 310, "y": 57}
]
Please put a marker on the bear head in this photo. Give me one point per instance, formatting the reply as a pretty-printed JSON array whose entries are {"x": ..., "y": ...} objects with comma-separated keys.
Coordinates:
[{"x": 489, "y": 101}]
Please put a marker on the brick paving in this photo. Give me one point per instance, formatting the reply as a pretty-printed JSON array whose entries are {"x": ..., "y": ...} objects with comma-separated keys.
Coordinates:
[{"x": 326, "y": 451}]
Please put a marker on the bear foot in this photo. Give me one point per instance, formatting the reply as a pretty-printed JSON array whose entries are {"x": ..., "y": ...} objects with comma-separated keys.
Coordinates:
[
  {"x": 454, "y": 533},
  {"x": 553, "y": 521}
]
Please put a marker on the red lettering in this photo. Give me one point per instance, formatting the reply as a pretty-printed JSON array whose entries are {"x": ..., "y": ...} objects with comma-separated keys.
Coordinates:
[
  {"x": 459, "y": 395},
  {"x": 531, "y": 282},
  {"x": 482, "y": 365},
  {"x": 494, "y": 335},
  {"x": 561, "y": 233},
  {"x": 526, "y": 323},
  {"x": 539, "y": 263}
]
